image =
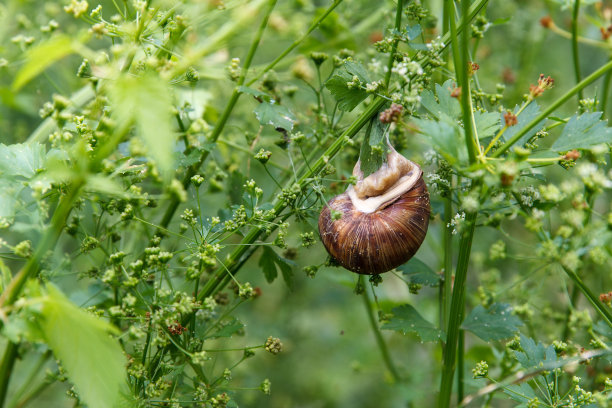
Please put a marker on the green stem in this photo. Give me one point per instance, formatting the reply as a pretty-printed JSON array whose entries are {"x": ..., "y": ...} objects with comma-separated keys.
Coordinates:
[
  {"x": 575, "y": 46},
  {"x": 6, "y": 369},
  {"x": 460, "y": 365},
  {"x": 456, "y": 312},
  {"x": 578, "y": 87},
  {"x": 593, "y": 299},
  {"x": 398, "y": 26},
  {"x": 448, "y": 258},
  {"x": 379, "y": 338},
  {"x": 36, "y": 370}
]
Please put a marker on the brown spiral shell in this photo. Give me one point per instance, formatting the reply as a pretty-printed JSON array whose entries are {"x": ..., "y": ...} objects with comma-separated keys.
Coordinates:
[{"x": 373, "y": 243}]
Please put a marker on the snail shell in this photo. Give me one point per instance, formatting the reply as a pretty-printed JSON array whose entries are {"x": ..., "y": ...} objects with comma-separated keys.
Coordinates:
[{"x": 384, "y": 218}]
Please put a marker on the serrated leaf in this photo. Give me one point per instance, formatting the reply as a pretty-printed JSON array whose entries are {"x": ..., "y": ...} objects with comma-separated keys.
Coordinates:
[
  {"x": 266, "y": 262},
  {"x": 146, "y": 103},
  {"x": 529, "y": 113},
  {"x": 406, "y": 319},
  {"x": 487, "y": 123},
  {"x": 227, "y": 330},
  {"x": 348, "y": 98},
  {"x": 446, "y": 138},
  {"x": 444, "y": 104},
  {"x": 21, "y": 159},
  {"x": 495, "y": 323},
  {"x": 270, "y": 260},
  {"x": 534, "y": 355},
  {"x": 583, "y": 132},
  {"x": 418, "y": 272},
  {"x": 256, "y": 93},
  {"x": 520, "y": 392},
  {"x": 413, "y": 32},
  {"x": 93, "y": 360},
  {"x": 275, "y": 115},
  {"x": 370, "y": 160},
  {"x": 41, "y": 56}
]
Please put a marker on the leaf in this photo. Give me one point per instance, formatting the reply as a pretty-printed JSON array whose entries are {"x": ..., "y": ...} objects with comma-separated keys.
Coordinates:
[
  {"x": 413, "y": 32},
  {"x": 583, "y": 132},
  {"x": 93, "y": 360},
  {"x": 348, "y": 98},
  {"x": 406, "y": 319},
  {"x": 266, "y": 262},
  {"x": 520, "y": 392},
  {"x": 256, "y": 93},
  {"x": 270, "y": 260},
  {"x": 370, "y": 160},
  {"x": 42, "y": 56},
  {"x": 419, "y": 273},
  {"x": 270, "y": 113},
  {"x": 445, "y": 137},
  {"x": 444, "y": 104},
  {"x": 529, "y": 113},
  {"x": 22, "y": 159},
  {"x": 495, "y": 323},
  {"x": 228, "y": 329},
  {"x": 487, "y": 123},
  {"x": 146, "y": 103},
  {"x": 534, "y": 355}
]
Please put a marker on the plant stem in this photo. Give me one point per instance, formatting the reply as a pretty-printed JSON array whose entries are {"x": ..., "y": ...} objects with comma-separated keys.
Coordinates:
[
  {"x": 456, "y": 312},
  {"x": 36, "y": 370},
  {"x": 398, "y": 25},
  {"x": 575, "y": 46},
  {"x": 378, "y": 335},
  {"x": 460, "y": 365},
  {"x": 593, "y": 299},
  {"x": 448, "y": 259},
  {"x": 578, "y": 87},
  {"x": 6, "y": 369}
]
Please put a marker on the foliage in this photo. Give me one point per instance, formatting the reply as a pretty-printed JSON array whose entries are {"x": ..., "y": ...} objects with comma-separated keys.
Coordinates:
[{"x": 162, "y": 163}]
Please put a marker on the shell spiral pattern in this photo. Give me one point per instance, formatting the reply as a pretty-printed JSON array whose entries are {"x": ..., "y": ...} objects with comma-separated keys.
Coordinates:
[{"x": 373, "y": 243}]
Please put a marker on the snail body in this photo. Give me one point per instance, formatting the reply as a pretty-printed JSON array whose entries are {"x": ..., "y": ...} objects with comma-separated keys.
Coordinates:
[{"x": 384, "y": 218}]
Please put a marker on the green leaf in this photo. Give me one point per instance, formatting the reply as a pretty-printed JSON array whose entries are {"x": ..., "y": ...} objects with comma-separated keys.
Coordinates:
[
  {"x": 487, "y": 124},
  {"x": 348, "y": 98},
  {"x": 371, "y": 160},
  {"x": 146, "y": 103},
  {"x": 407, "y": 320},
  {"x": 444, "y": 104},
  {"x": 529, "y": 113},
  {"x": 445, "y": 137},
  {"x": 419, "y": 273},
  {"x": 495, "y": 323},
  {"x": 270, "y": 260},
  {"x": 227, "y": 330},
  {"x": 413, "y": 32},
  {"x": 520, "y": 392},
  {"x": 21, "y": 159},
  {"x": 41, "y": 56},
  {"x": 583, "y": 132},
  {"x": 266, "y": 262},
  {"x": 93, "y": 359},
  {"x": 534, "y": 355},
  {"x": 256, "y": 93},
  {"x": 269, "y": 113}
]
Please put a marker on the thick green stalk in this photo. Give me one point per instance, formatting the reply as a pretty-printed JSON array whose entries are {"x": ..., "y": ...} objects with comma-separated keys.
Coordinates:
[
  {"x": 575, "y": 45},
  {"x": 398, "y": 26},
  {"x": 456, "y": 316},
  {"x": 214, "y": 284},
  {"x": 6, "y": 369},
  {"x": 578, "y": 87},
  {"x": 447, "y": 237},
  {"x": 380, "y": 341},
  {"x": 593, "y": 299}
]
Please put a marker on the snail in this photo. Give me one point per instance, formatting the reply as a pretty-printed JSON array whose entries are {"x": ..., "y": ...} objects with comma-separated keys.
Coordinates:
[{"x": 384, "y": 217}]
